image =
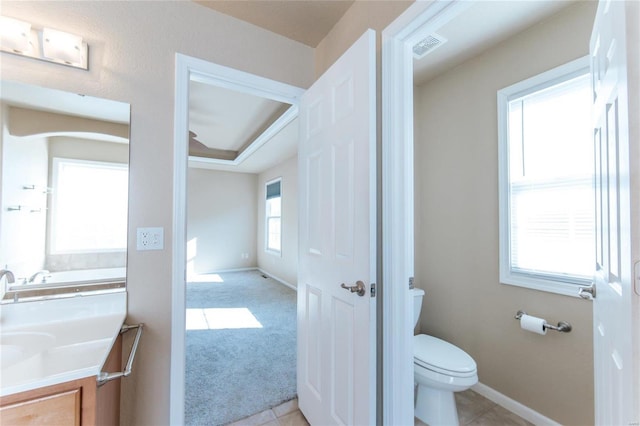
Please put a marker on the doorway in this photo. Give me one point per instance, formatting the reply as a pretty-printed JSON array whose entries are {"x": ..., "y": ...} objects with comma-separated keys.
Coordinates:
[
  {"x": 284, "y": 99},
  {"x": 398, "y": 41}
]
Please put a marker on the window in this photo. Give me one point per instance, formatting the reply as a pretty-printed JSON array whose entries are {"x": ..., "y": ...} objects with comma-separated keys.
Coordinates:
[
  {"x": 89, "y": 212},
  {"x": 547, "y": 226},
  {"x": 274, "y": 216}
]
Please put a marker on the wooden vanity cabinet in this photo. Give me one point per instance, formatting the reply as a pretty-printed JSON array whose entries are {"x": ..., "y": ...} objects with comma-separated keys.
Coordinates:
[{"x": 77, "y": 402}]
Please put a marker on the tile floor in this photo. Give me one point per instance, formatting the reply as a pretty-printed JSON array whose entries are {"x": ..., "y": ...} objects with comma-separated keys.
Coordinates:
[
  {"x": 286, "y": 414},
  {"x": 476, "y": 410},
  {"x": 473, "y": 410}
]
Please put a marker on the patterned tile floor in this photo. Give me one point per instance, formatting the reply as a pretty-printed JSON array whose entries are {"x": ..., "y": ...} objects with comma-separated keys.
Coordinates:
[{"x": 473, "y": 410}]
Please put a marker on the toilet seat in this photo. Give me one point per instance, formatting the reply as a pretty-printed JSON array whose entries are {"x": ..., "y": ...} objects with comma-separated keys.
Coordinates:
[{"x": 442, "y": 357}]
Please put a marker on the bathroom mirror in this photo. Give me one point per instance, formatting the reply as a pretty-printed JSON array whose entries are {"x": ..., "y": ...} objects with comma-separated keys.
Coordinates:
[{"x": 63, "y": 192}]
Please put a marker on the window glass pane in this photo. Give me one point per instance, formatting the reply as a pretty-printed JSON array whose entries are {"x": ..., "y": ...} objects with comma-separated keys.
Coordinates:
[
  {"x": 273, "y": 233},
  {"x": 90, "y": 208},
  {"x": 551, "y": 181},
  {"x": 274, "y": 207},
  {"x": 273, "y": 212}
]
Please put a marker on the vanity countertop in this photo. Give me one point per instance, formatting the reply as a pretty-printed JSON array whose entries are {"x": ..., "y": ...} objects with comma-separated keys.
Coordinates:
[{"x": 48, "y": 342}]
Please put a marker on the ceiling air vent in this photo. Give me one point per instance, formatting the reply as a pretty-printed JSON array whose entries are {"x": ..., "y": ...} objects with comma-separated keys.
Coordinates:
[{"x": 428, "y": 45}]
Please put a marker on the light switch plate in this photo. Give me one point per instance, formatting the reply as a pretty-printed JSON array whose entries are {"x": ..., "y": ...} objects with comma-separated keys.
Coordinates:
[{"x": 150, "y": 239}]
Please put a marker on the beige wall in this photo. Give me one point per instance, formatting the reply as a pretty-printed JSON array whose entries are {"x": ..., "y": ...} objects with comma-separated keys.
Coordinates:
[
  {"x": 456, "y": 201},
  {"x": 221, "y": 216},
  {"x": 361, "y": 15},
  {"x": 285, "y": 266},
  {"x": 26, "y": 122},
  {"x": 132, "y": 59}
]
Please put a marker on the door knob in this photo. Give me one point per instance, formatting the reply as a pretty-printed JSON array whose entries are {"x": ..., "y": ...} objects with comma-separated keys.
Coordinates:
[
  {"x": 588, "y": 293},
  {"x": 358, "y": 288}
]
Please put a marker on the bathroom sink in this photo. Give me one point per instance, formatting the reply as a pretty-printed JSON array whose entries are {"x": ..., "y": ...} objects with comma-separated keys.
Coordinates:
[
  {"x": 19, "y": 346},
  {"x": 48, "y": 342}
]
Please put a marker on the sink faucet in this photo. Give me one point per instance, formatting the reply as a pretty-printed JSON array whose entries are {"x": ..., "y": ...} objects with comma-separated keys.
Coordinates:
[
  {"x": 33, "y": 277},
  {"x": 10, "y": 278}
]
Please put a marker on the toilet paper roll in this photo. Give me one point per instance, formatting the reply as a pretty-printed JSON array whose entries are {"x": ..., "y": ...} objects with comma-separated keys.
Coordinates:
[{"x": 533, "y": 324}]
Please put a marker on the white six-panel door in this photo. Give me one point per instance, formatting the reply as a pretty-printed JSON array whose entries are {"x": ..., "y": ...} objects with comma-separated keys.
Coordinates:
[
  {"x": 337, "y": 166},
  {"x": 616, "y": 365}
]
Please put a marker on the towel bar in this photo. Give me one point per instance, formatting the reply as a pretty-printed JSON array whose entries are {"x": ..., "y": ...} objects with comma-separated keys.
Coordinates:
[{"x": 103, "y": 376}]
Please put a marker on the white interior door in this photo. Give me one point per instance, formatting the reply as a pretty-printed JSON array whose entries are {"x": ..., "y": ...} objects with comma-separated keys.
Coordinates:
[
  {"x": 615, "y": 303},
  {"x": 337, "y": 169}
]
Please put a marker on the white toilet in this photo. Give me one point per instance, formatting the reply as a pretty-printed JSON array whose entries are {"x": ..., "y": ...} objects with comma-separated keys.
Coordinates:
[{"x": 440, "y": 369}]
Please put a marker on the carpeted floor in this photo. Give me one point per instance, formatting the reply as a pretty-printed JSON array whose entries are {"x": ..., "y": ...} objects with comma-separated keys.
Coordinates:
[{"x": 232, "y": 373}]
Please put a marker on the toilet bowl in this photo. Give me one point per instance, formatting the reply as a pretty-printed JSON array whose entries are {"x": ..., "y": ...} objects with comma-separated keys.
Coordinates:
[{"x": 440, "y": 369}]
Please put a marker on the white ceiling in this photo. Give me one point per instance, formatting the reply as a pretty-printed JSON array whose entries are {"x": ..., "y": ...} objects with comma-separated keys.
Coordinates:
[
  {"x": 481, "y": 26},
  {"x": 226, "y": 119},
  {"x": 219, "y": 119},
  {"x": 281, "y": 147}
]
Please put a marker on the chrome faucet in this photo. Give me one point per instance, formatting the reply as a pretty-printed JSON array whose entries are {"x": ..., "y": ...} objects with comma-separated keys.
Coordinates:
[
  {"x": 33, "y": 277},
  {"x": 10, "y": 278}
]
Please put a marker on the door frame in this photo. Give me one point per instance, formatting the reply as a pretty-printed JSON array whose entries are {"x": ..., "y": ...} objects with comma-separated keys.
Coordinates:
[
  {"x": 419, "y": 20},
  {"x": 228, "y": 78}
]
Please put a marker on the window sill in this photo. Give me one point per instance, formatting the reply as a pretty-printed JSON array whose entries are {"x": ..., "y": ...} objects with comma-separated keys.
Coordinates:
[
  {"x": 274, "y": 252},
  {"x": 550, "y": 286}
]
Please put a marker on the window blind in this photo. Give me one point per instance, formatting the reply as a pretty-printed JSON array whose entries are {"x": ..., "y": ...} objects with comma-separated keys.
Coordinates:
[
  {"x": 273, "y": 190},
  {"x": 551, "y": 191}
]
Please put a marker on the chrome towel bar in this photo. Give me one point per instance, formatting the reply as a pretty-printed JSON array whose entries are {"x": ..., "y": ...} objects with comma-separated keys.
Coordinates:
[
  {"x": 104, "y": 377},
  {"x": 563, "y": 326}
]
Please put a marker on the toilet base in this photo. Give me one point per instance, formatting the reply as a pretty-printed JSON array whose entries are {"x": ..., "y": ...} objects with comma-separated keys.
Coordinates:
[{"x": 436, "y": 407}]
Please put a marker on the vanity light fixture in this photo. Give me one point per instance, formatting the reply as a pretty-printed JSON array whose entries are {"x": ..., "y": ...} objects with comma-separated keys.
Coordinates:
[
  {"x": 14, "y": 35},
  {"x": 65, "y": 47},
  {"x": 19, "y": 38}
]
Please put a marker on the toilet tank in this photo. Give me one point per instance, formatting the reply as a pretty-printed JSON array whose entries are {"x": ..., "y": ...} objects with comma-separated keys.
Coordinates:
[{"x": 418, "y": 294}]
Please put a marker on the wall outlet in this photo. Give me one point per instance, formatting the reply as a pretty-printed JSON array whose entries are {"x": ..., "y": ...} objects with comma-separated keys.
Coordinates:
[
  {"x": 150, "y": 239},
  {"x": 244, "y": 256}
]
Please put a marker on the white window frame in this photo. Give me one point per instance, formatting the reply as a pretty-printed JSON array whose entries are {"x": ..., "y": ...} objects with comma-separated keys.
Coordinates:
[
  {"x": 568, "y": 286},
  {"x": 53, "y": 246},
  {"x": 268, "y": 249}
]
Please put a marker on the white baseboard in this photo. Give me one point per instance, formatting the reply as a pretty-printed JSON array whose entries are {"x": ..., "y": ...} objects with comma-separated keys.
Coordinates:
[
  {"x": 513, "y": 405},
  {"x": 280, "y": 280},
  {"x": 220, "y": 271}
]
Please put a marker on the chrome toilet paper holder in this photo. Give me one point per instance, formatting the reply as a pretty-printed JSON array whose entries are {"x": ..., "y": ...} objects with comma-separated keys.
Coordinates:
[{"x": 563, "y": 326}]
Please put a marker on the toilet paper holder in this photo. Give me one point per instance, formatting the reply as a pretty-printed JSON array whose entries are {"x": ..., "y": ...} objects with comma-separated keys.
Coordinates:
[{"x": 563, "y": 326}]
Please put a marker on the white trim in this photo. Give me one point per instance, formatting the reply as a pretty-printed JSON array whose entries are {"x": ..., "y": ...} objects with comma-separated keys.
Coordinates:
[
  {"x": 420, "y": 19},
  {"x": 228, "y": 78},
  {"x": 280, "y": 280},
  {"x": 375, "y": 194},
  {"x": 513, "y": 405},
  {"x": 179, "y": 246},
  {"x": 540, "y": 81},
  {"x": 199, "y": 70},
  {"x": 576, "y": 68}
]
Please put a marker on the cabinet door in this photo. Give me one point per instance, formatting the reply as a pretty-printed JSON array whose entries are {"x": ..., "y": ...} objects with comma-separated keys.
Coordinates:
[{"x": 62, "y": 408}]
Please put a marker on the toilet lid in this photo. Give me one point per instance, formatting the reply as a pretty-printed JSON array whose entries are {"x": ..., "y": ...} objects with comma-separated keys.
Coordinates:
[{"x": 442, "y": 357}]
